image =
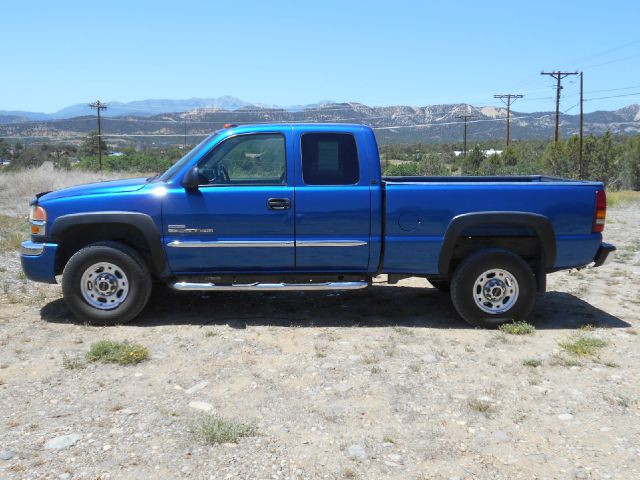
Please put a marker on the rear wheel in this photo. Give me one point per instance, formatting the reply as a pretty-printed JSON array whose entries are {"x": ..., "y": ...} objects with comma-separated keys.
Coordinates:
[
  {"x": 106, "y": 283},
  {"x": 493, "y": 286}
]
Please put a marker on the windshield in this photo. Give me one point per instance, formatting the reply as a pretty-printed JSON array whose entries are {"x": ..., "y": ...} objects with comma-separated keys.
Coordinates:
[{"x": 186, "y": 159}]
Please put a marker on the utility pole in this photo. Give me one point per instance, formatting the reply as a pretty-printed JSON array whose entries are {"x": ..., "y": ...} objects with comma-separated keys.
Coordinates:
[
  {"x": 509, "y": 97},
  {"x": 558, "y": 76},
  {"x": 465, "y": 118},
  {"x": 98, "y": 105},
  {"x": 580, "y": 162}
]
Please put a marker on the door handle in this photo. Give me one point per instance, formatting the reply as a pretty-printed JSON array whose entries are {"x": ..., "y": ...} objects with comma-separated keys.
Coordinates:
[{"x": 279, "y": 203}]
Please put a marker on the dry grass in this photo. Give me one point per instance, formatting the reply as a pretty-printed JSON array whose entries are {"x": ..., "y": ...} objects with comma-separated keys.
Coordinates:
[
  {"x": 13, "y": 230},
  {"x": 18, "y": 188},
  {"x": 624, "y": 197}
]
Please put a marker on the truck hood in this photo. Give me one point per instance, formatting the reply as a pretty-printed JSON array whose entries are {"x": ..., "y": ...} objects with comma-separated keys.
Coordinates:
[{"x": 100, "y": 188}]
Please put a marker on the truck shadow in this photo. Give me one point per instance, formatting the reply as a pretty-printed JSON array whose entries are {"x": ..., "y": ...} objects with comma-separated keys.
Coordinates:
[{"x": 373, "y": 307}]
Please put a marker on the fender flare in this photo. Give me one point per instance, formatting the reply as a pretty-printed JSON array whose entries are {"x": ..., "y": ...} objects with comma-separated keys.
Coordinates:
[
  {"x": 139, "y": 221},
  {"x": 538, "y": 223}
]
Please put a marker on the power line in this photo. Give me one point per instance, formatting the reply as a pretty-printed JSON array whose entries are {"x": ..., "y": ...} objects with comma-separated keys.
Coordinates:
[
  {"x": 558, "y": 75},
  {"x": 98, "y": 105},
  {"x": 509, "y": 97}
]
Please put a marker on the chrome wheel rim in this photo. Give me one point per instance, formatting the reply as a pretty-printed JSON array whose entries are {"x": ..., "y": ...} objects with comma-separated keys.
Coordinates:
[
  {"x": 104, "y": 286},
  {"x": 495, "y": 291}
]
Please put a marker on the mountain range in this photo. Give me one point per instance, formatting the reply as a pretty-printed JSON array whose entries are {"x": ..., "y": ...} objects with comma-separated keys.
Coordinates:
[{"x": 393, "y": 124}]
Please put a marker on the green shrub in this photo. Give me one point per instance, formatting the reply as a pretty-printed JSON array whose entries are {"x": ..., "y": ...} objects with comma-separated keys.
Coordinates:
[
  {"x": 517, "y": 328},
  {"x": 217, "y": 429},
  {"x": 583, "y": 346},
  {"x": 124, "y": 353}
]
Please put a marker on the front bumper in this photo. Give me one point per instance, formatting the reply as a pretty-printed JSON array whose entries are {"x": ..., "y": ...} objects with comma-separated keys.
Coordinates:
[
  {"x": 39, "y": 261},
  {"x": 603, "y": 254}
]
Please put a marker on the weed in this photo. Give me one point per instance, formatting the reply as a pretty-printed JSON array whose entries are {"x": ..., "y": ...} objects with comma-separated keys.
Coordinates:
[
  {"x": 348, "y": 473},
  {"x": 587, "y": 328},
  {"x": 216, "y": 429},
  {"x": 375, "y": 369},
  {"x": 211, "y": 333},
  {"x": 72, "y": 363},
  {"x": 469, "y": 349},
  {"x": 369, "y": 359},
  {"x": 618, "y": 400},
  {"x": 414, "y": 367},
  {"x": 108, "y": 351},
  {"x": 403, "y": 331},
  {"x": 558, "y": 360},
  {"x": 611, "y": 365},
  {"x": 517, "y": 328},
  {"x": 390, "y": 349},
  {"x": 499, "y": 337},
  {"x": 583, "y": 346},
  {"x": 534, "y": 380},
  {"x": 481, "y": 406},
  {"x": 532, "y": 362},
  {"x": 321, "y": 352},
  {"x": 388, "y": 439}
]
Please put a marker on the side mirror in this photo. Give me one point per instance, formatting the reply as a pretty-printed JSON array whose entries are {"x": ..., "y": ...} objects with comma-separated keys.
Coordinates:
[{"x": 191, "y": 179}]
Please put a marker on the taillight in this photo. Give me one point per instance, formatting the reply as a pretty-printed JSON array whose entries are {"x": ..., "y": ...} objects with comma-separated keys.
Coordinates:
[{"x": 601, "y": 211}]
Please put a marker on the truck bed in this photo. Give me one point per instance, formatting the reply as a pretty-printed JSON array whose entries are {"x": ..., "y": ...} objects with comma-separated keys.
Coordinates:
[{"x": 418, "y": 211}]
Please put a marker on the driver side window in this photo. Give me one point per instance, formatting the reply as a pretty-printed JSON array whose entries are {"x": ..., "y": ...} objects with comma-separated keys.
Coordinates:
[{"x": 257, "y": 159}]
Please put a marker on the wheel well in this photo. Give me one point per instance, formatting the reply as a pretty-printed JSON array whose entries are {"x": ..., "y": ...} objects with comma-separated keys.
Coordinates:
[
  {"x": 529, "y": 247},
  {"x": 77, "y": 237}
]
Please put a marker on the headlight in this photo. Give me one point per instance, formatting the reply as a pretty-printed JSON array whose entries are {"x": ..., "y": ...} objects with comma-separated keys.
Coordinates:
[{"x": 38, "y": 220}]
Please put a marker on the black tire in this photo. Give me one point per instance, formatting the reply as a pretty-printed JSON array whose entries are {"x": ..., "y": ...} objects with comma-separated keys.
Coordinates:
[
  {"x": 464, "y": 290},
  {"x": 442, "y": 284},
  {"x": 126, "y": 259}
]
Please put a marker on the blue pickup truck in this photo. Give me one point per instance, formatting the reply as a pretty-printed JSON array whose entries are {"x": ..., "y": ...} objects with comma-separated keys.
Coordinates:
[{"x": 305, "y": 207}]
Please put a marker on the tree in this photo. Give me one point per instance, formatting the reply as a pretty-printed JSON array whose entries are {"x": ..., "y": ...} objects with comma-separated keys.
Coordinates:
[
  {"x": 89, "y": 146},
  {"x": 473, "y": 161},
  {"x": 431, "y": 164},
  {"x": 5, "y": 149},
  {"x": 557, "y": 161},
  {"x": 631, "y": 164},
  {"x": 509, "y": 157}
]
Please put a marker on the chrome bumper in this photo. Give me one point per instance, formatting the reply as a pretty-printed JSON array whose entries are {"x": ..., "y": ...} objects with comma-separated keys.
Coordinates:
[{"x": 32, "y": 249}]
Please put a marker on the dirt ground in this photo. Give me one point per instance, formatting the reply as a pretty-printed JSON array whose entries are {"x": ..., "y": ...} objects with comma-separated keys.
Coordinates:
[{"x": 375, "y": 384}]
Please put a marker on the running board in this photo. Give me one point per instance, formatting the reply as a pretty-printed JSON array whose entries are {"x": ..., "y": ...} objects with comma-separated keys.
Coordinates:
[{"x": 267, "y": 287}]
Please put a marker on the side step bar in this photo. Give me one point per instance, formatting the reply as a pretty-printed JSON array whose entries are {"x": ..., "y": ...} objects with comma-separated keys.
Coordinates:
[{"x": 241, "y": 287}]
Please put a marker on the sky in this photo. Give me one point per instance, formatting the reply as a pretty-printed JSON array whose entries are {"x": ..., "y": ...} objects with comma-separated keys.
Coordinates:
[{"x": 58, "y": 53}]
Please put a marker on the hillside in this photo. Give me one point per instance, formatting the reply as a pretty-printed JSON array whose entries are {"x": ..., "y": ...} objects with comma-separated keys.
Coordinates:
[{"x": 393, "y": 124}]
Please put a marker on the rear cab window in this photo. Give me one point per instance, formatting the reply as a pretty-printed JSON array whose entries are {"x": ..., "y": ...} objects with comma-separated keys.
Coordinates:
[{"x": 329, "y": 159}]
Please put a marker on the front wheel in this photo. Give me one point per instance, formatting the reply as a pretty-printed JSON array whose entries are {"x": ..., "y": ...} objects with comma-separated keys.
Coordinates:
[
  {"x": 106, "y": 283},
  {"x": 493, "y": 286}
]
